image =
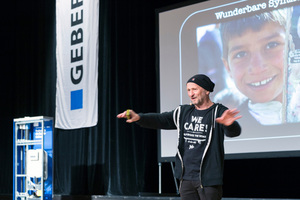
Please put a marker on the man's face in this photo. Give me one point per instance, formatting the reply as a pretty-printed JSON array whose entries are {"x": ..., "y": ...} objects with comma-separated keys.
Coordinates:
[
  {"x": 255, "y": 62},
  {"x": 196, "y": 93}
]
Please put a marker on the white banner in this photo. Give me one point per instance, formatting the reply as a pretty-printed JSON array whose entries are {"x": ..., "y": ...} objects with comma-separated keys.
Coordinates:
[{"x": 77, "y": 24}]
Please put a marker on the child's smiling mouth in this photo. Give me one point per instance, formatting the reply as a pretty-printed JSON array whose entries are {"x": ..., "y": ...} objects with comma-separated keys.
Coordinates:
[{"x": 261, "y": 83}]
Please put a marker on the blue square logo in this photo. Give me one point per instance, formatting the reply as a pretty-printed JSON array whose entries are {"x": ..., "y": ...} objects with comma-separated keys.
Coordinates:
[{"x": 76, "y": 99}]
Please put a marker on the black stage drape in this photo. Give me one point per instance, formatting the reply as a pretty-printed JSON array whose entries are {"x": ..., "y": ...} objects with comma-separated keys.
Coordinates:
[{"x": 112, "y": 158}]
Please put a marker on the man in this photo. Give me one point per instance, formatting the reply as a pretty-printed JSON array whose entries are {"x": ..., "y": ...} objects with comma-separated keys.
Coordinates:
[{"x": 200, "y": 157}]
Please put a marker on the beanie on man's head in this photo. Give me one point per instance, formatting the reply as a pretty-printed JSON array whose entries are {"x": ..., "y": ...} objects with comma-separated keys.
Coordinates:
[{"x": 203, "y": 81}]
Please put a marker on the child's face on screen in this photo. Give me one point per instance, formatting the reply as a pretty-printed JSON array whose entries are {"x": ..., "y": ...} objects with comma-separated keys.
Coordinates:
[{"x": 255, "y": 62}]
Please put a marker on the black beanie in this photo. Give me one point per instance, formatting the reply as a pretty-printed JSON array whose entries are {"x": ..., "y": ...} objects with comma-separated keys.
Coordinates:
[{"x": 203, "y": 81}]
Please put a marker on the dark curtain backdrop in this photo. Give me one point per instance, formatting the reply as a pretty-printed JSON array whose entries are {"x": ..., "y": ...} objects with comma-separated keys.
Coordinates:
[{"x": 112, "y": 158}]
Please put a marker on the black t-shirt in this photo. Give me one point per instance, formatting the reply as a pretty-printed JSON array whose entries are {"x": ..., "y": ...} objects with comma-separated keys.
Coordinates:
[{"x": 196, "y": 130}]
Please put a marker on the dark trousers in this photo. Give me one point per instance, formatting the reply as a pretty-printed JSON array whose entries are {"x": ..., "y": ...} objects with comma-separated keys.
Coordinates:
[{"x": 191, "y": 190}]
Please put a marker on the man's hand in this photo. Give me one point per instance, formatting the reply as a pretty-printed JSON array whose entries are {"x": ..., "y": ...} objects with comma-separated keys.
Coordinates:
[
  {"x": 130, "y": 115},
  {"x": 228, "y": 117}
]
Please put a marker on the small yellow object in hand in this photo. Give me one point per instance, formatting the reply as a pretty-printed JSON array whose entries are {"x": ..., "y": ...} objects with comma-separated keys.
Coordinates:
[{"x": 128, "y": 114}]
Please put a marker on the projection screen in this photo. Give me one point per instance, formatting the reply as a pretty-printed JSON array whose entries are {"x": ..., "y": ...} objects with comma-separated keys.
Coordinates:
[{"x": 251, "y": 50}]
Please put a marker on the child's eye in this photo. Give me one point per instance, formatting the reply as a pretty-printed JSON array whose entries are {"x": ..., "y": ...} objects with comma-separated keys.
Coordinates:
[
  {"x": 240, "y": 54},
  {"x": 272, "y": 45}
]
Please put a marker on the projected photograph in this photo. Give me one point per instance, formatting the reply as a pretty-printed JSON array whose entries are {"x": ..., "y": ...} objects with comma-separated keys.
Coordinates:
[{"x": 251, "y": 50}]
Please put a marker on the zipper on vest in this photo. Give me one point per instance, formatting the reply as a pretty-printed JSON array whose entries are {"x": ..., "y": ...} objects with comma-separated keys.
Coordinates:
[{"x": 214, "y": 113}]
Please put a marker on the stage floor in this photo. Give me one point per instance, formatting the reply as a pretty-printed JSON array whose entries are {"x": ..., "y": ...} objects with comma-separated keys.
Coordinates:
[
  {"x": 100, "y": 197},
  {"x": 155, "y": 197},
  {"x": 161, "y": 197}
]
